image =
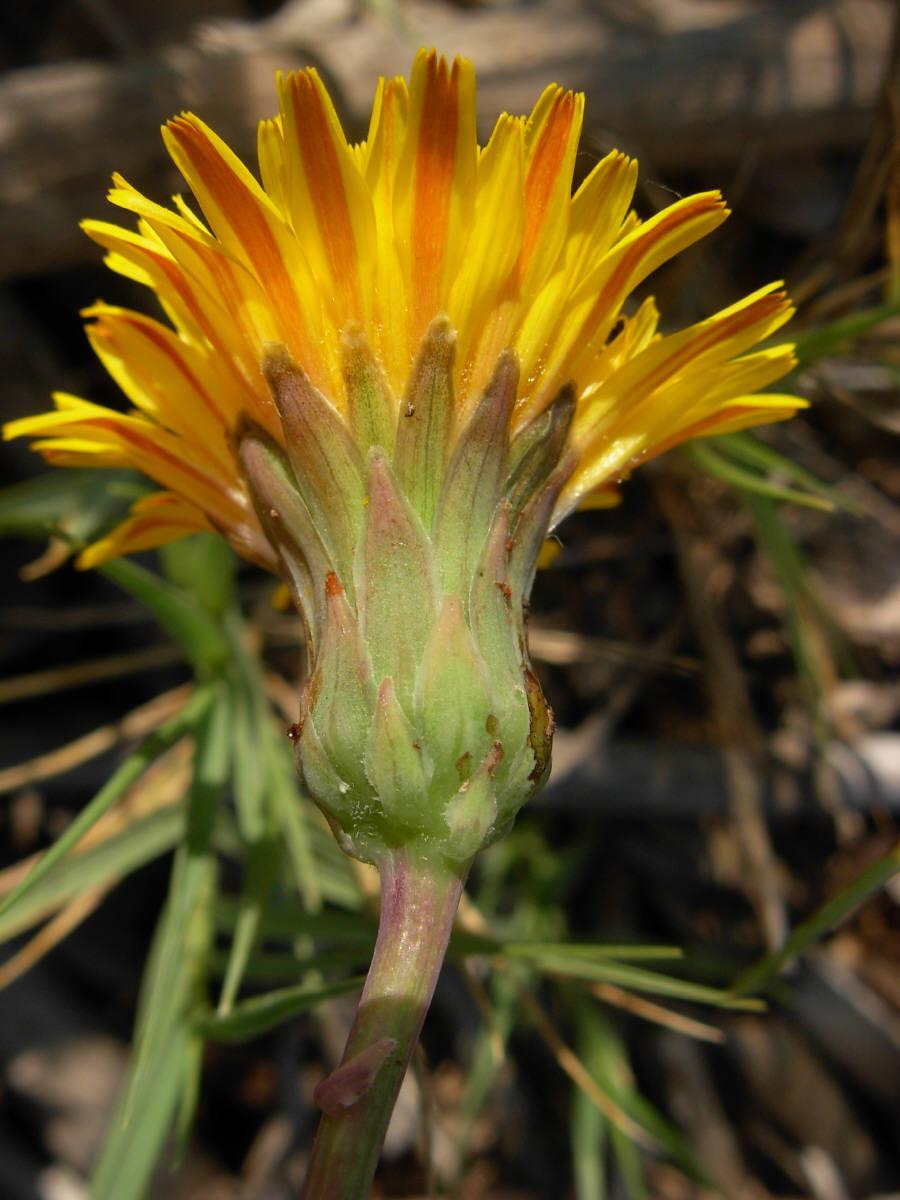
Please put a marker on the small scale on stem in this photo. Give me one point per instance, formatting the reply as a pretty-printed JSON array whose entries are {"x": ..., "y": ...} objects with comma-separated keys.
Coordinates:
[{"x": 419, "y": 899}]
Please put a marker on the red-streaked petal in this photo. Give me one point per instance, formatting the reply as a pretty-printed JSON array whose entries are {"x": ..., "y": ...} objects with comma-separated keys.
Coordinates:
[
  {"x": 559, "y": 342},
  {"x": 551, "y": 142},
  {"x": 154, "y": 521},
  {"x": 249, "y": 226},
  {"x": 435, "y": 179},
  {"x": 325, "y": 194}
]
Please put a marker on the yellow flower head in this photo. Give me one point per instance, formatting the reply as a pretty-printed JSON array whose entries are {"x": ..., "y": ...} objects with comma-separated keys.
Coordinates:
[{"x": 340, "y": 245}]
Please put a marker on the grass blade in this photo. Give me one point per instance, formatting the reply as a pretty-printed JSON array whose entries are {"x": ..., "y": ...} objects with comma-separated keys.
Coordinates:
[
  {"x": 710, "y": 459},
  {"x": 615, "y": 1076},
  {"x": 178, "y": 958},
  {"x": 813, "y": 344},
  {"x": 204, "y": 567},
  {"x": 823, "y": 921},
  {"x": 638, "y": 979},
  {"x": 261, "y": 869},
  {"x": 131, "y": 1149},
  {"x": 131, "y": 770},
  {"x": 100, "y": 867},
  {"x": 588, "y": 1124},
  {"x": 293, "y": 813},
  {"x": 176, "y": 610},
  {"x": 751, "y": 452},
  {"x": 250, "y": 729},
  {"x": 254, "y": 1017},
  {"x": 78, "y": 506}
]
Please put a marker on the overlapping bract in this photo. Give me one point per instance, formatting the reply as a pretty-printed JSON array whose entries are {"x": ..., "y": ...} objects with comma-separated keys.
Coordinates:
[
  {"x": 421, "y": 724},
  {"x": 371, "y": 242}
]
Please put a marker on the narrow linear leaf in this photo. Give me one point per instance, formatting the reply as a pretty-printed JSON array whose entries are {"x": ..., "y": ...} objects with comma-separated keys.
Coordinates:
[
  {"x": 571, "y": 1064},
  {"x": 131, "y": 1150},
  {"x": 176, "y": 610},
  {"x": 808, "y": 623},
  {"x": 204, "y": 566},
  {"x": 292, "y": 814},
  {"x": 102, "y": 866},
  {"x": 639, "y": 979},
  {"x": 627, "y": 1158},
  {"x": 179, "y": 951},
  {"x": 813, "y": 344},
  {"x": 250, "y": 719},
  {"x": 267, "y": 969},
  {"x": 181, "y": 943},
  {"x": 612, "y": 1069},
  {"x": 261, "y": 869},
  {"x": 183, "y": 723},
  {"x": 257, "y": 1016},
  {"x": 248, "y": 768},
  {"x": 752, "y": 452},
  {"x": 823, "y": 921},
  {"x": 76, "y": 505},
  {"x": 291, "y": 919},
  {"x": 246, "y": 933},
  {"x": 466, "y": 943},
  {"x": 714, "y": 463},
  {"x": 588, "y": 1124},
  {"x": 188, "y": 1095},
  {"x": 501, "y": 1007},
  {"x": 212, "y": 770},
  {"x": 604, "y": 1057}
]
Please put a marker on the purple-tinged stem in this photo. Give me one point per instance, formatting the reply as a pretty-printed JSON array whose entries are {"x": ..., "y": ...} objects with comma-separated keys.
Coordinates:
[{"x": 419, "y": 900}]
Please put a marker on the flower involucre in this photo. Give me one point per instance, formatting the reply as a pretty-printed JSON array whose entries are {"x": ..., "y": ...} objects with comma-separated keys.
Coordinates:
[{"x": 389, "y": 370}]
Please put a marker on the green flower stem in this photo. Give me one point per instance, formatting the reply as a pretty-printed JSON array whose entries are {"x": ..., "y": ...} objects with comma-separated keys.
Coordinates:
[{"x": 419, "y": 899}]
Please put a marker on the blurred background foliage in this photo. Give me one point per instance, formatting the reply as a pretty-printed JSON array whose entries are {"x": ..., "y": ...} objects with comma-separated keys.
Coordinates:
[{"x": 678, "y": 977}]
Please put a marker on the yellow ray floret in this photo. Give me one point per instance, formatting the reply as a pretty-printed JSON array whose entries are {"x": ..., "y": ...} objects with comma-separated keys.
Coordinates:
[{"x": 377, "y": 239}]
